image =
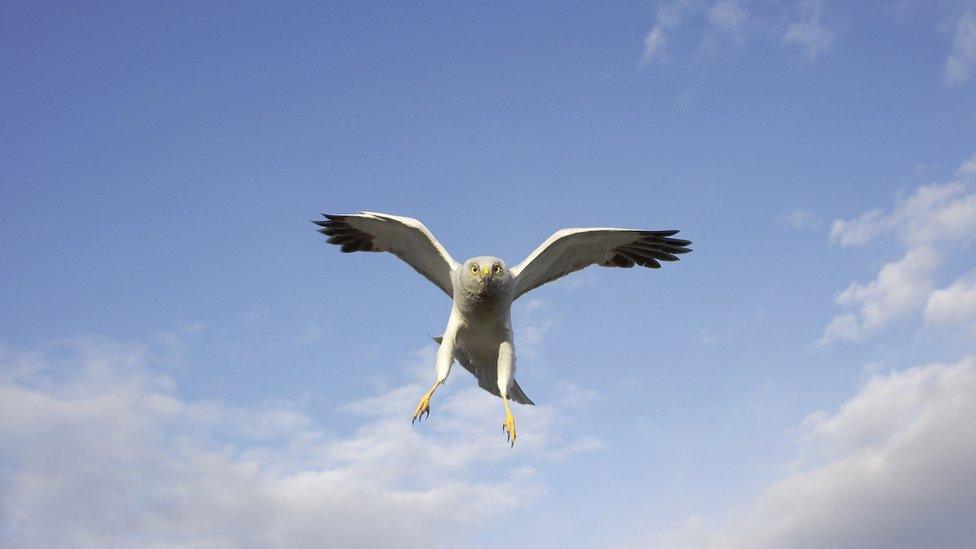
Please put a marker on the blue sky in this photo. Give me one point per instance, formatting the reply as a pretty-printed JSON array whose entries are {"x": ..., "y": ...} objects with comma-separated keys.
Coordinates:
[{"x": 184, "y": 362}]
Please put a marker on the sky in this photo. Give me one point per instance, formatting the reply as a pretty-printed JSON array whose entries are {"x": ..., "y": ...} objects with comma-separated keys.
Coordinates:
[{"x": 185, "y": 363}]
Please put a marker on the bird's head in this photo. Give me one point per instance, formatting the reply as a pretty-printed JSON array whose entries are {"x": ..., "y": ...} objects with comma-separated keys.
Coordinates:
[{"x": 482, "y": 274}]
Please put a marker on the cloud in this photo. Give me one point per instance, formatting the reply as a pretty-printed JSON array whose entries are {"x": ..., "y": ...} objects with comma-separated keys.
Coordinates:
[
  {"x": 954, "y": 305},
  {"x": 900, "y": 288},
  {"x": 99, "y": 449},
  {"x": 710, "y": 29},
  {"x": 801, "y": 219},
  {"x": 893, "y": 467},
  {"x": 653, "y": 44},
  {"x": 931, "y": 224},
  {"x": 668, "y": 16},
  {"x": 930, "y": 214},
  {"x": 959, "y": 65},
  {"x": 721, "y": 21},
  {"x": 808, "y": 32}
]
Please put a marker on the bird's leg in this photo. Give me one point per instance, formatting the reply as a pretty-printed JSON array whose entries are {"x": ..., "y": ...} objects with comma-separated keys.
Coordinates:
[
  {"x": 445, "y": 357},
  {"x": 506, "y": 377},
  {"x": 509, "y": 424}
]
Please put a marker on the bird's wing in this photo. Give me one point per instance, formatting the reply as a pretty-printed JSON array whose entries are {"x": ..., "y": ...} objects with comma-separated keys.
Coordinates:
[
  {"x": 404, "y": 237},
  {"x": 570, "y": 250}
]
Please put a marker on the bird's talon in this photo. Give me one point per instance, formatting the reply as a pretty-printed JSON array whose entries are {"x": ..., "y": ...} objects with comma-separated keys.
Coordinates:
[
  {"x": 509, "y": 428},
  {"x": 422, "y": 410}
]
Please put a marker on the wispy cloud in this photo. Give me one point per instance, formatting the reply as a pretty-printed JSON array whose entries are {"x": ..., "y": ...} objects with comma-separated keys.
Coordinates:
[
  {"x": 653, "y": 44},
  {"x": 962, "y": 61},
  {"x": 699, "y": 28},
  {"x": 716, "y": 23},
  {"x": 668, "y": 16},
  {"x": 808, "y": 32},
  {"x": 801, "y": 219},
  {"x": 728, "y": 15}
]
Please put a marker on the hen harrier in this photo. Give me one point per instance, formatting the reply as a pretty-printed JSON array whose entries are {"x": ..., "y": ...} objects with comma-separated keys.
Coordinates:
[{"x": 479, "y": 331}]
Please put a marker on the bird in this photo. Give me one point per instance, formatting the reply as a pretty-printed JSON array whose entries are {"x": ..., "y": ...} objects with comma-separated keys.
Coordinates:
[{"x": 479, "y": 333}]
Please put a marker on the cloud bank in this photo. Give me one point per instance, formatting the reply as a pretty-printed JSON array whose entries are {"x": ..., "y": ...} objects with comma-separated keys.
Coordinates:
[
  {"x": 893, "y": 467},
  {"x": 99, "y": 450}
]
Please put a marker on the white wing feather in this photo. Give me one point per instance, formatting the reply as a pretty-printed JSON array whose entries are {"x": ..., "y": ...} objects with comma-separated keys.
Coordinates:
[
  {"x": 570, "y": 250},
  {"x": 404, "y": 237}
]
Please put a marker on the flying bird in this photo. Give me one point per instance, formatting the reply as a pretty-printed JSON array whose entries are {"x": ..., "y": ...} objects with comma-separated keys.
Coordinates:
[{"x": 479, "y": 331}]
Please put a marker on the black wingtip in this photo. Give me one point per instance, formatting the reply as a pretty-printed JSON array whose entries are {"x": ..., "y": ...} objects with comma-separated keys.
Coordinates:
[{"x": 666, "y": 233}]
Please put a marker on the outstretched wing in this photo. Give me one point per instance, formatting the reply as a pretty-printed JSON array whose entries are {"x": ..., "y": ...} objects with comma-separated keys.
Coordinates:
[
  {"x": 404, "y": 237},
  {"x": 570, "y": 250}
]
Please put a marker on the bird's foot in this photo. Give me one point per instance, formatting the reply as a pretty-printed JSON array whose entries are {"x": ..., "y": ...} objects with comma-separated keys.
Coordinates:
[
  {"x": 422, "y": 408},
  {"x": 509, "y": 427}
]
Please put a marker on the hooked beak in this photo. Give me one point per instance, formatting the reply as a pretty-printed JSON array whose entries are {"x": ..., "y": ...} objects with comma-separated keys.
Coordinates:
[{"x": 485, "y": 270}]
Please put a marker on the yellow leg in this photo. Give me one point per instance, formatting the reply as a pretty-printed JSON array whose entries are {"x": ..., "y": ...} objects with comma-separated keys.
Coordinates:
[
  {"x": 424, "y": 406},
  {"x": 509, "y": 424}
]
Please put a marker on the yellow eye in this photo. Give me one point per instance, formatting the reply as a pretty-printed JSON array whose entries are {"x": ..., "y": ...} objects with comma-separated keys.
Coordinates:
[
  {"x": 497, "y": 269},
  {"x": 474, "y": 269}
]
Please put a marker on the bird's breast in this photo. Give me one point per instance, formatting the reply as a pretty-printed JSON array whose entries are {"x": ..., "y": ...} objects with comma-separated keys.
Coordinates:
[{"x": 485, "y": 301}]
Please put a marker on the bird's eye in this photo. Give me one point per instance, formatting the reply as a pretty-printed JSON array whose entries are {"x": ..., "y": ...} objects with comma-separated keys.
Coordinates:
[
  {"x": 497, "y": 268},
  {"x": 474, "y": 268}
]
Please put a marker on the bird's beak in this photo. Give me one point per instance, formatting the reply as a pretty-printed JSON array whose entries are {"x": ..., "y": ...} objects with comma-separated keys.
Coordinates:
[{"x": 485, "y": 271}]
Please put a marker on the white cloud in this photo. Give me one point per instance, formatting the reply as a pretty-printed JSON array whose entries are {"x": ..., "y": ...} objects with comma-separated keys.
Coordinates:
[
  {"x": 934, "y": 222},
  {"x": 900, "y": 288},
  {"x": 808, "y": 32},
  {"x": 894, "y": 466},
  {"x": 100, "y": 450},
  {"x": 954, "y": 305},
  {"x": 959, "y": 66},
  {"x": 860, "y": 231},
  {"x": 930, "y": 214}
]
